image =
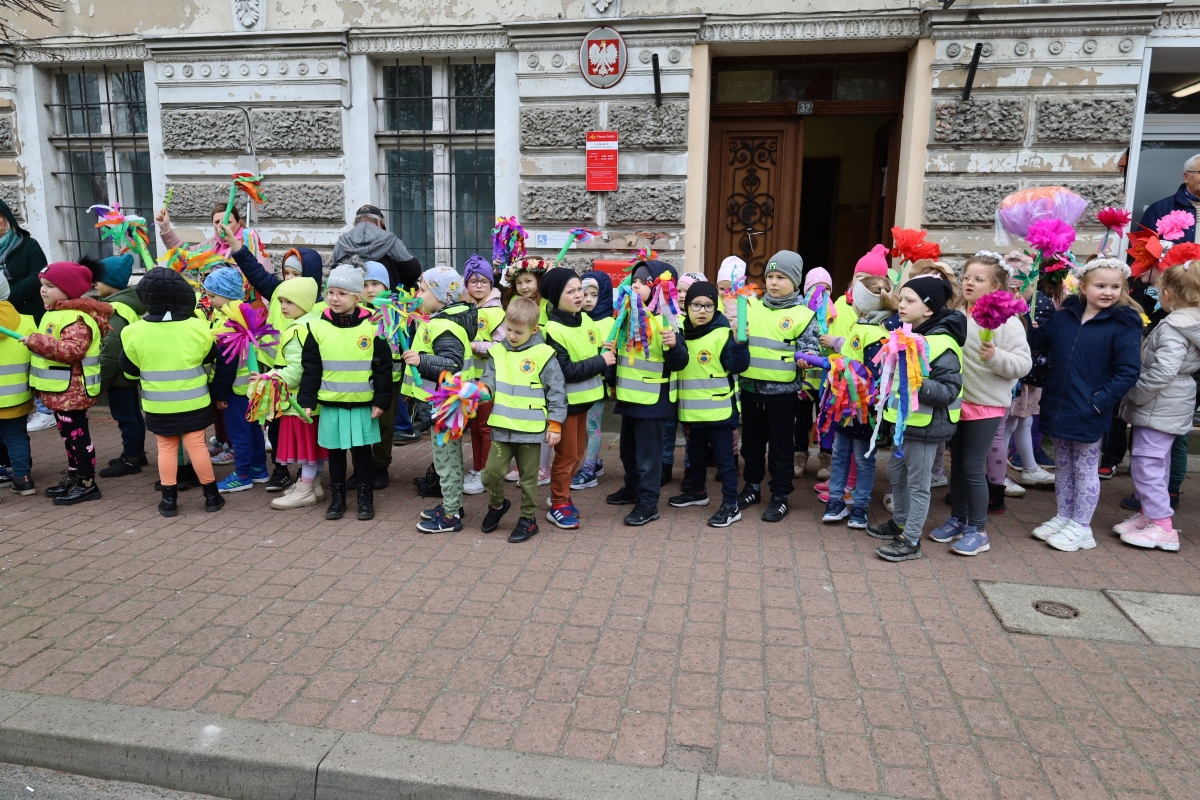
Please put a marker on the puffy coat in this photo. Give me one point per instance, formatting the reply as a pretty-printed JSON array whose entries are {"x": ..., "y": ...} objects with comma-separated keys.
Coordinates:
[
  {"x": 945, "y": 379},
  {"x": 1164, "y": 396},
  {"x": 1092, "y": 366},
  {"x": 22, "y": 264}
]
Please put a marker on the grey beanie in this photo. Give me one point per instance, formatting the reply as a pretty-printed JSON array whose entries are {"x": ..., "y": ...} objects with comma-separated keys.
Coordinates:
[
  {"x": 790, "y": 264},
  {"x": 345, "y": 276}
]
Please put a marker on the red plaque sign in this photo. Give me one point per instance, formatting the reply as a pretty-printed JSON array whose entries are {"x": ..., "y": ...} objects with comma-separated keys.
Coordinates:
[
  {"x": 601, "y": 161},
  {"x": 603, "y": 57}
]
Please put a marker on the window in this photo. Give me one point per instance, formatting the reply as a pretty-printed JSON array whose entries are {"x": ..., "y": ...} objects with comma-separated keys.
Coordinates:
[
  {"x": 100, "y": 132},
  {"x": 438, "y": 122}
]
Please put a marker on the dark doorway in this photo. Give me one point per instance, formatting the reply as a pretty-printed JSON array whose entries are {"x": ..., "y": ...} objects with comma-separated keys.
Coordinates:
[{"x": 818, "y": 204}]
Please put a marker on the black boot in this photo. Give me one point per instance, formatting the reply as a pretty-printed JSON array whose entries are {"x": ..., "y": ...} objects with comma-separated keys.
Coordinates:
[
  {"x": 81, "y": 491},
  {"x": 169, "y": 505},
  {"x": 125, "y": 465},
  {"x": 667, "y": 469},
  {"x": 213, "y": 501},
  {"x": 995, "y": 498},
  {"x": 187, "y": 477},
  {"x": 64, "y": 486},
  {"x": 366, "y": 502},
  {"x": 337, "y": 501}
]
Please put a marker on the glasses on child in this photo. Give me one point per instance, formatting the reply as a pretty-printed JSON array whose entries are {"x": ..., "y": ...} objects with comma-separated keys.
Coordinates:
[{"x": 702, "y": 307}]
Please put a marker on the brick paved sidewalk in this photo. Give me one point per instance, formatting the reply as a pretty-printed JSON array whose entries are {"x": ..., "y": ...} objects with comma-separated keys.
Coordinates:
[{"x": 788, "y": 651}]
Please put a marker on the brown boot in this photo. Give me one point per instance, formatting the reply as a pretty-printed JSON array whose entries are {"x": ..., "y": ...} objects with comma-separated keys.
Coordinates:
[{"x": 826, "y": 461}]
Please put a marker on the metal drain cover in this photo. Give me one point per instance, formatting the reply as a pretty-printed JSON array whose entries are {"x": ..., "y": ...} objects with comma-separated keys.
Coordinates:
[
  {"x": 1054, "y": 611},
  {"x": 1057, "y": 610}
]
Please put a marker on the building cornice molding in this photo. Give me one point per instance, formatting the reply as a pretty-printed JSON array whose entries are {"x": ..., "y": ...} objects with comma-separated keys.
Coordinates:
[
  {"x": 799, "y": 27},
  {"x": 386, "y": 41},
  {"x": 283, "y": 44},
  {"x": 85, "y": 51},
  {"x": 678, "y": 30},
  {"x": 1110, "y": 18}
]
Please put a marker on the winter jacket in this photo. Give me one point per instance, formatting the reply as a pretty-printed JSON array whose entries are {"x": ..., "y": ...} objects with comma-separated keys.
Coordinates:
[
  {"x": 556, "y": 395},
  {"x": 265, "y": 283},
  {"x": 447, "y": 349},
  {"x": 372, "y": 243},
  {"x": 990, "y": 383},
  {"x": 70, "y": 348},
  {"x": 1092, "y": 366},
  {"x": 110, "y": 348},
  {"x": 945, "y": 379},
  {"x": 1180, "y": 201},
  {"x": 11, "y": 319},
  {"x": 381, "y": 366},
  {"x": 1164, "y": 396},
  {"x": 171, "y": 424},
  {"x": 675, "y": 358},
  {"x": 216, "y": 243},
  {"x": 735, "y": 359},
  {"x": 574, "y": 371},
  {"x": 22, "y": 265}
]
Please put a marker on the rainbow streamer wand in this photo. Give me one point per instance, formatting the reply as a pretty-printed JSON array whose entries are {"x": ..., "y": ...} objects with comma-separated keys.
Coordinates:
[
  {"x": 455, "y": 402},
  {"x": 742, "y": 292},
  {"x": 820, "y": 301},
  {"x": 508, "y": 241},
  {"x": 268, "y": 398},
  {"x": 182, "y": 260},
  {"x": 245, "y": 326},
  {"x": 847, "y": 395},
  {"x": 393, "y": 314},
  {"x": 127, "y": 232},
  {"x": 665, "y": 302},
  {"x": 633, "y": 327},
  {"x": 904, "y": 364},
  {"x": 250, "y": 184},
  {"x": 581, "y": 235}
]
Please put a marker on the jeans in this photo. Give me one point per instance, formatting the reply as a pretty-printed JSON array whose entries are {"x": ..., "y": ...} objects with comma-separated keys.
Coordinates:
[
  {"x": 767, "y": 439},
  {"x": 127, "y": 411},
  {"x": 668, "y": 442},
  {"x": 40, "y": 407},
  {"x": 12, "y": 433},
  {"x": 721, "y": 439},
  {"x": 403, "y": 422},
  {"x": 843, "y": 448},
  {"x": 246, "y": 438},
  {"x": 595, "y": 416},
  {"x": 641, "y": 457}
]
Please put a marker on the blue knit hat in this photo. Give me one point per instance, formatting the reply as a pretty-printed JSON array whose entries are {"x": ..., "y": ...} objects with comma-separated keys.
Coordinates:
[
  {"x": 117, "y": 271},
  {"x": 378, "y": 272},
  {"x": 225, "y": 282}
]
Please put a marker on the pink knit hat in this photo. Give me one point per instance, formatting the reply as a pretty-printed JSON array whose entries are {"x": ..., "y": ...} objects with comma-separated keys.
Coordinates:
[
  {"x": 874, "y": 262},
  {"x": 815, "y": 276},
  {"x": 75, "y": 280}
]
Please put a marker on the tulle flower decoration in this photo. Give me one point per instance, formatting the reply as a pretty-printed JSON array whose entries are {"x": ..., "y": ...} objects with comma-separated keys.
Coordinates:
[
  {"x": 1172, "y": 226},
  {"x": 1181, "y": 253}
]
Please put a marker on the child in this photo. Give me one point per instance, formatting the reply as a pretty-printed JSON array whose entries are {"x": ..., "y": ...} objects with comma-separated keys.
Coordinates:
[
  {"x": 113, "y": 287},
  {"x": 529, "y": 404},
  {"x": 923, "y": 305},
  {"x": 16, "y": 400},
  {"x": 224, "y": 288},
  {"x": 297, "y": 438},
  {"x": 523, "y": 278},
  {"x": 442, "y": 344},
  {"x": 1018, "y": 428},
  {"x": 167, "y": 353},
  {"x": 646, "y": 393},
  {"x": 376, "y": 283},
  {"x": 990, "y": 372},
  {"x": 64, "y": 370},
  {"x": 871, "y": 305},
  {"x": 579, "y": 347},
  {"x": 478, "y": 277},
  {"x": 778, "y": 325},
  {"x": 1094, "y": 342},
  {"x": 708, "y": 401},
  {"x": 815, "y": 278},
  {"x": 731, "y": 269},
  {"x": 1161, "y": 404},
  {"x": 347, "y": 374},
  {"x": 597, "y": 304}
]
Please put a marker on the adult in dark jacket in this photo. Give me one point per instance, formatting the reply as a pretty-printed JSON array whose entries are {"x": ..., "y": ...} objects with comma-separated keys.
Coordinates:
[
  {"x": 370, "y": 240},
  {"x": 265, "y": 283},
  {"x": 22, "y": 259}
]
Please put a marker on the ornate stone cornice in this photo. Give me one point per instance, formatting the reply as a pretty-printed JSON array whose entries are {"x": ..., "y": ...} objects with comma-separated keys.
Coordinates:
[
  {"x": 679, "y": 30},
  {"x": 1097, "y": 18},
  {"x": 810, "y": 28},
  {"x": 280, "y": 44},
  {"x": 1178, "y": 22},
  {"x": 84, "y": 52},
  {"x": 375, "y": 41}
]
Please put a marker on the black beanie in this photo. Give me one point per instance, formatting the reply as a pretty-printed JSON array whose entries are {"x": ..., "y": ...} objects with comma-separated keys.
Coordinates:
[
  {"x": 933, "y": 291},
  {"x": 702, "y": 289},
  {"x": 554, "y": 282}
]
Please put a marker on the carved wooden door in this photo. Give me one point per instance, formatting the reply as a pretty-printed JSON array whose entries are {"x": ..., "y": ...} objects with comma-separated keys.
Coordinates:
[{"x": 754, "y": 191}]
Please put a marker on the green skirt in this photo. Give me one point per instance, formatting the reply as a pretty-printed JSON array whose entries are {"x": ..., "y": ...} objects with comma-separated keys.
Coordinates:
[{"x": 343, "y": 428}]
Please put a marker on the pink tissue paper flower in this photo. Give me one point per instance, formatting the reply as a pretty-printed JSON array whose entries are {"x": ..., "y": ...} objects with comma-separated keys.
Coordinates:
[
  {"x": 1050, "y": 236},
  {"x": 1174, "y": 224}
]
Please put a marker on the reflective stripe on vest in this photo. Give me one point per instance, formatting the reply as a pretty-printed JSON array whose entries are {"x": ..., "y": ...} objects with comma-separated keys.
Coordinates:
[
  {"x": 938, "y": 343},
  {"x": 55, "y": 377},
  {"x": 705, "y": 390},
  {"x": 170, "y": 357},
  {"x": 581, "y": 343},
  {"x": 772, "y": 335},
  {"x": 640, "y": 380},
  {"x": 346, "y": 355},
  {"x": 14, "y": 366},
  {"x": 423, "y": 338},
  {"x": 518, "y": 398}
]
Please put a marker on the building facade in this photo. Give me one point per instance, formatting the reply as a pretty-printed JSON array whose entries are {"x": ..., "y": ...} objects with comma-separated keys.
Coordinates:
[{"x": 740, "y": 130}]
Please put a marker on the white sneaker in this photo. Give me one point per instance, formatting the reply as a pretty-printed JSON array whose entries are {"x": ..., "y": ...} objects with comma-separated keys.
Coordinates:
[
  {"x": 543, "y": 477},
  {"x": 1036, "y": 477},
  {"x": 472, "y": 483},
  {"x": 1072, "y": 537},
  {"x": 1050, "y": 527},
  {"x": 513, "y": 476},
  {"x": 938, "y": 481},
  {"x": 1013, "y": 489},
  {"x": 887, "y": 501},
  {"x": 303, "y": 495},
  {"x": 39, "y": 422},
  {"x": 267, "y": 440}
]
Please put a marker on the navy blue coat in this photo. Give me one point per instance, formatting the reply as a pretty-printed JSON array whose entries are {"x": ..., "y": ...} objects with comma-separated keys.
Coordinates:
[
  {"x": 266, "y": 283},
  {"x": 1180, "y": 201},
  {"x": 1092, "y": 366}
]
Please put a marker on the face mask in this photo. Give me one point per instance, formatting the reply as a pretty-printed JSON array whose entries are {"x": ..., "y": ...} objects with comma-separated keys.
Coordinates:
[{"x": 864, "y": 301}]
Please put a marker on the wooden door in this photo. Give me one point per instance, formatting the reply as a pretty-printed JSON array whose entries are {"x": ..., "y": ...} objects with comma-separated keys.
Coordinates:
[{"x": 754, "y": 191}]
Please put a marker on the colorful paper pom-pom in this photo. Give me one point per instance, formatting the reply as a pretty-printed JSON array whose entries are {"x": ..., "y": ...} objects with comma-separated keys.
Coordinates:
[
  {"x": 508, "y": 241},
  {"x": 245, "y": 328},
  {"x": 903, "y": 360},
  {"x": 910, "y": 245},
  {"x": 455, "y": 402}
]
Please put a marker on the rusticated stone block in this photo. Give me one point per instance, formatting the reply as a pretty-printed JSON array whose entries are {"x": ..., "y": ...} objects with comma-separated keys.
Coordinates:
[
  {"x": 210, "y": 131},
  {"x": 964, "y": 202},
  {"x": 556, "y": 202},
  {"x": 10, "y": 193},
  {"x": 296, "y": 129},
  {"x": 557, "y": 126},
  {"x": 999, "y": 120},
  {"x": 285, "y": 201},
  {"x": 646, "y": 202},
  {"x": 8, "y": 138},
  {"x": 648, "y": 125},
  {"x": 1085, "y": 119},
  {"x": 1099, "y": 194}
]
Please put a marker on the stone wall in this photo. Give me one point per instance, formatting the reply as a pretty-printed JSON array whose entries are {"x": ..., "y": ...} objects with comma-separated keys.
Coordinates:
[
  {"x": 286, "y": 130},
  {"x": 286, "y": 201},
  {"x": 558, "y": 126}
]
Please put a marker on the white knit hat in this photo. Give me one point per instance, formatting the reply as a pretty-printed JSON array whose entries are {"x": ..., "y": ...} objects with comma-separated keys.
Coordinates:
[{"x": 346, "y": 276}]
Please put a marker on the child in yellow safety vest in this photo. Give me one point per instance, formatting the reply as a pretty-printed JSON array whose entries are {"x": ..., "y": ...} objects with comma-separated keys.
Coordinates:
[
  {"x": 64, "y": 370},
  {"x": 479, "y": 277},
  {"x": 529, "y": 404},
  {"x": 523, "y": 278},
  {"x": 16, "y": 398},
  {"x": 113, "y": 287},
  {"x": 597, "y": 304}
]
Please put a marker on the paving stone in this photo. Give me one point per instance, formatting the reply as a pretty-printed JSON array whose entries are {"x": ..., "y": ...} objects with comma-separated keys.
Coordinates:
[
  {"x": 1097, "y": 617},
  {"x": 1168, "y": 619}
]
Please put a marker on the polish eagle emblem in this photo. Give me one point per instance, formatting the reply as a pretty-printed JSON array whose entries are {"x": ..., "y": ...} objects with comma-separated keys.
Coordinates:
[{"x": 603, "y": 57}]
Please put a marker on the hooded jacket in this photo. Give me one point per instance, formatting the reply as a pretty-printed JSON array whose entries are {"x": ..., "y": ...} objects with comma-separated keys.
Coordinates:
[
  {"x": 381, "y": 365},
  {"x": 372, "y": 243},
  {"x": 70, "y": 348},
  {"x": 265, "y": 283},
  {"x": 1092, "y": 366},
  {"x": 110, "y": 349},
  {"x": 945, "y": 379},
  {"x": 1164, "y": 396},
  {"x": 556, "y": 395},
  {"x": 447, "y": 349},
  {"x": 604, "y": 296},
  {"x": 735, "y": 359},
  {"x": 574, "y": 371},
  {"x": 23, "y": 263}
]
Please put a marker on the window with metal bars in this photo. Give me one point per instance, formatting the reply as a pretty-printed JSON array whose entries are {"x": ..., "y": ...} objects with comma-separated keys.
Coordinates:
[
  {"x": 437, "y": 122},
  {"x": 103, "y": 156}
]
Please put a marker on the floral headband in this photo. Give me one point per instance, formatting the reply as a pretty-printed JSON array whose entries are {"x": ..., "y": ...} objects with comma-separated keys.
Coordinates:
[
  {"x": 1101, "y": 263},
  {"x": 992, "y": 254},
  {"x": 534, "y": 266}
]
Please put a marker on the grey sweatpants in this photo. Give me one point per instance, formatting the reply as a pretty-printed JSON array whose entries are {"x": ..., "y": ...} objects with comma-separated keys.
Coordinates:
[{"x": 910, "y": 478}]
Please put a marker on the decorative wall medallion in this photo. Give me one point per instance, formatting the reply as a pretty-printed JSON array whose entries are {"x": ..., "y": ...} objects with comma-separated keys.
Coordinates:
[
  {"x": 168, "y": 71},
  {"x": 533, "y": 60},
  {"x": 322, "y": 67},
  {"x": 262, "y": 69},
  {"x": 283, "y": 68},
  {"x": 205, "y": 70},
  {"x": 601, "y": 5},
  {"x": 953, "y": 50},
  {"x": 223, "y": 70},
  {"x": 645, "y": 57},
  {"x": 244, "y": 69},
  {"x": 1021, "y": 48},
  {"x": 673, "y": 55},
  {"x": 987, "y": 50},
  {"x": 556, "y": 60},
  {"x": 302, "y": 68},
  {"x": 1126, "y": 45},
  {"x": 1089, "y": 46},
  {"x": 1055, "y": 47},
  {"x": 187, "y": 70},
  {"x": 603, "y": 57}
]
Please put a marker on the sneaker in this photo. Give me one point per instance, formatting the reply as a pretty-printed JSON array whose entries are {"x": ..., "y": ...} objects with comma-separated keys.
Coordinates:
[
  {"x": 214, "y": 446},
  {"x": 224, "y": 457},
  {"x": 260, "y": 475},
  {"x": 950, "y": 530},
  {"x": 887, "y": 501},
  {"x": 543, "y": 477},
  {"x": 1014, "y": 460},
  {"x": 823, "y": 486},
  {"x": 125, "y": 465},
  {"x": 267, "y": 446},
  {"x": 6, "y": 477},
  {"x": 1043, "y": 459},
  {"x": 900, "y": 549},
  {"x": 938, "y": 481},
  {"x": 526, "y": 529},
  {"x": 750, "y": 496},
  {"x": 472, "y": 483},
  {"x": 847, "y": 496},
  {"x": 1153, "y": 536},
  {"x": 432, "y": 513},
  {"x": 1135, "y": 523},
  {"x": 1012, "y": 489},
  {"x": 234, "y": 483},
  {"x": 513, "y": 476},
  {"x": 726, "y": 515},
  {"x": 23, "y": 486},
  {"x": 563, "y": 517},
  {"x": 858, "y": 518},
  {"x": 1072, "y": 537},
  {"x": 689, "y": 499},
  {"x": 39, "y": 422},
  {"x": 1049, "y": 527},
  {"x": 777, "y": 509},
  {"x": 281, "y": 478},
  {"x": 82, "y": 490},
  {"x": 972, "y": 543},
  {"x": 585, "y": 478},
  {"x": 1036, "y": 477},
  {"x": 401, "y": 438},
  {"x": 491, "y": 520},
  {"x": 622, "y": 497},
  {"x": 600, "y": 468},
  {"x": 641, "y": 515},
  {"x": 1132, "y": 503},
  {"x": 440, "y": 523},
  {"x": 888, "y": 530},
  {"x": 1106, "y": 473},
  {"x": 835, "y": 511}
]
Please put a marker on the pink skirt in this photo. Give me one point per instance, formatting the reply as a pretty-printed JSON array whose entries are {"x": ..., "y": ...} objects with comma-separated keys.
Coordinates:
[
  {"x": 298, "y": 443},
  {"x": 1028, "y": 402}
]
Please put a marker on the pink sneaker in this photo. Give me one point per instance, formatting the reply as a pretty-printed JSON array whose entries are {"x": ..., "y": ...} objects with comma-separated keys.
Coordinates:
[
  {"x": 1132, "y": 525},
  {"x": 848, "y": 496},
  {"x": 1153, "y": 536},
  {"x": 823, "y": 486}
]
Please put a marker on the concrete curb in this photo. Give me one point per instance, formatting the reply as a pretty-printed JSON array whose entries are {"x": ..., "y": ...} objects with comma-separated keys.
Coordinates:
[{"x": 245, "y": 760}]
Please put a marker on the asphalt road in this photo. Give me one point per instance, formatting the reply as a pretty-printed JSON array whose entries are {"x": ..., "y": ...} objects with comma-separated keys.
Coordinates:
[{"x": 31, "y": 783}]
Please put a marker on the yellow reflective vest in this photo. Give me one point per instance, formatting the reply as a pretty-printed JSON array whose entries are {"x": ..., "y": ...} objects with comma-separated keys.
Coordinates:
[
  {"x": 489, "y": 319},
  {"x": 581, "y": 343},
  {"x": 170, "y": 357},
  {"x": 423, "y": 339},
  {"x": 705, "y": 388},
  {"x": 14, "y": 366},
  {"x": 346, "y": 355},
  {"x": 51, "y": 376},
  {"x": 640, "y": 380},
  {"x": 772, "y": 335},
  {"x": 938, "y": 343},
  {"x": 519, "y": 398}
]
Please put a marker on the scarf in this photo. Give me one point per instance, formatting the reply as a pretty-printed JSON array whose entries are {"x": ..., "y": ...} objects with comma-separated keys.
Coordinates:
[{"x": 9, "y": 242}]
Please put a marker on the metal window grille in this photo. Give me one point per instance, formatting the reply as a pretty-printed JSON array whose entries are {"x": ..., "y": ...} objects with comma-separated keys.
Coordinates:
[
  {"x": 437, "y": 137},
  {"x": 103, "y": 155}
]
